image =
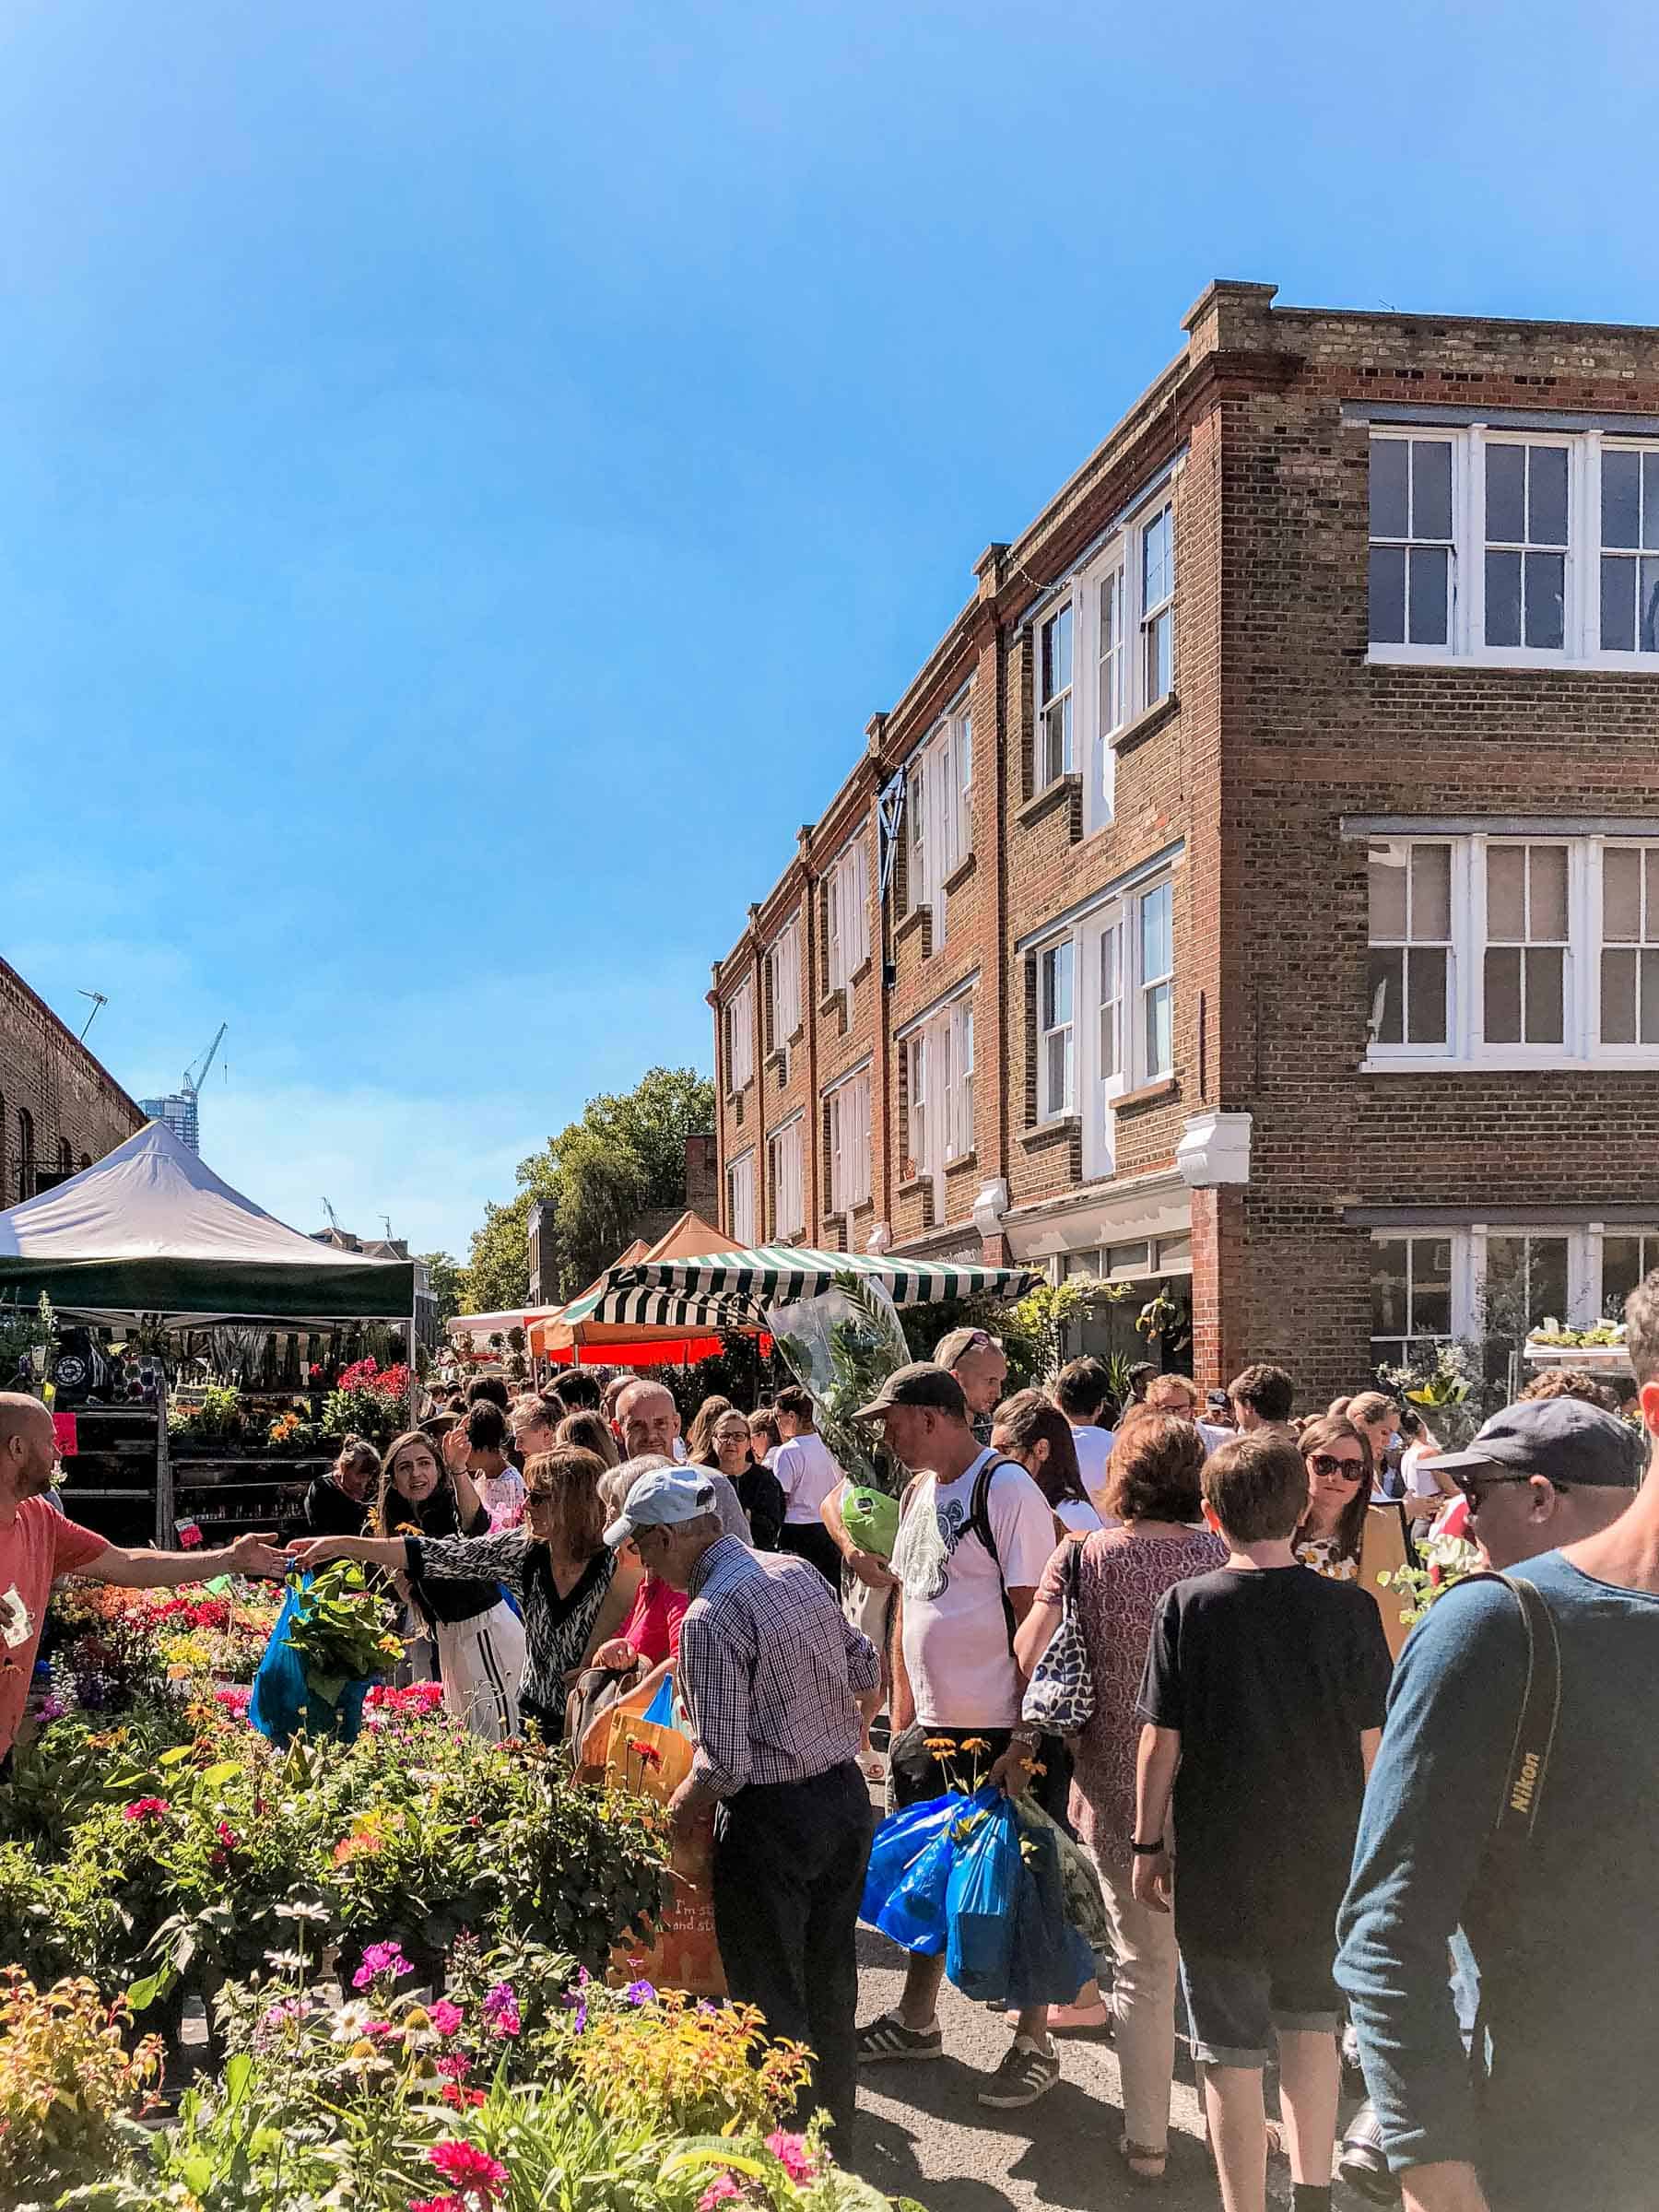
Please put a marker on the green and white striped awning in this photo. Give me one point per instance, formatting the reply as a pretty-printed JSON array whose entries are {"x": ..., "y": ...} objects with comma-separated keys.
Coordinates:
[{"x": 728, "y": 1289}]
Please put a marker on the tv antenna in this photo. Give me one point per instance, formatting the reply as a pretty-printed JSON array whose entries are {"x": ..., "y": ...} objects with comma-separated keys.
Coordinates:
[{"x": 99, "y": 998}]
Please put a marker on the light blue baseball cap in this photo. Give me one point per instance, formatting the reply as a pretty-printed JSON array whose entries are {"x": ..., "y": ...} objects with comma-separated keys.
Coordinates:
[{"x": 661, "y": 1500}]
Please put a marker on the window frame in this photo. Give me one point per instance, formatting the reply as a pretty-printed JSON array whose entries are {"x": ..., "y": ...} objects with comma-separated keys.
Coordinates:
[
  {"x": 1146, "y": 985},
  {"x": 740, "y": 1033},
  {"x": 940, "y": 1116},
  {"x": 1581, "y": 647},
  {"x": 790, "y": 1133},
  {"x": 1045, "y": 774},
  {"x": 847, "y": 1102},
  {"x": 939, "y": 832},
  {"x": 1099, "y": 711},
  {"x": 1431, "y": 1340},
  {"x": 1152, "y": 612},
  {"x": 783, "y": 967},
  {"x": 1643, "y": 450},
  {"x": 847, "y": 904},
  {"x": 742, "y": 1238},
  {"x": 1049, "y": 1108}
]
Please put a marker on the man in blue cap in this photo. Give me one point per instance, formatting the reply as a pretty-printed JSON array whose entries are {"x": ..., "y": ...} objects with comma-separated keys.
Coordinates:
[{"x": 1516, "y": 1796}]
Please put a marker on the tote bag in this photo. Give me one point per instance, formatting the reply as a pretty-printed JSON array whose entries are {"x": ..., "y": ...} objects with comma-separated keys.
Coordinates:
[{"x": 1059, "y": 1697}]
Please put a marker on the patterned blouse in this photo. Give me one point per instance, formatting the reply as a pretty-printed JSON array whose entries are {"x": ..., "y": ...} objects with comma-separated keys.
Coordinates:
[
  {"x": 556, "y": 1630},
  {"x": 1121, "y": 1577}
]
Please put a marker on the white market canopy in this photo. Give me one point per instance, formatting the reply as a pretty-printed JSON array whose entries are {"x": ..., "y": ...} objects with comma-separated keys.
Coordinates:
[
  {"x": 150, "y": 1228},
  {"x": 726, "y": 1287}
]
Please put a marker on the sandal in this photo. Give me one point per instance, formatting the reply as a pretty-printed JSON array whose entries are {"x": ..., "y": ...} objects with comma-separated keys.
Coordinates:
[{"x": 1147, "y": 2166}]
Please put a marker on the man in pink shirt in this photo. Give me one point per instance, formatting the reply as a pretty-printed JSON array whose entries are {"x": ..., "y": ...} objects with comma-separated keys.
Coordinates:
[{"x": 39, "y": 1545}]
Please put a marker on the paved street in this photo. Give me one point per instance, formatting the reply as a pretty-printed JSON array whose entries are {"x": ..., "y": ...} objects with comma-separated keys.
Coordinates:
[{"x": 923, "y": 2134}]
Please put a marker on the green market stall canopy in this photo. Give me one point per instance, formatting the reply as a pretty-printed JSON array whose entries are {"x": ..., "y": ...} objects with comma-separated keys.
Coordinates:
[
  {"x": 728, "y": 1289},
  {"x": 150, "y": 1228}
]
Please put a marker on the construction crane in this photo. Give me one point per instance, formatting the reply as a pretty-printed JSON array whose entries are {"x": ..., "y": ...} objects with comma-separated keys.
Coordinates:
[{"x": 193, "y": 1082}]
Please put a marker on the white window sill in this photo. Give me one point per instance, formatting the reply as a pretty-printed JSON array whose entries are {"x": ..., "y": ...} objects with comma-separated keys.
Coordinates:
[
  {"x": 1512, "y": 658},
  {"x": 1644, "y": 1061}
]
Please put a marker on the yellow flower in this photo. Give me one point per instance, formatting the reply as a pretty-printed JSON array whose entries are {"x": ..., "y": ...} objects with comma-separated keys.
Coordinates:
[{"x": 976, "y": 1743}]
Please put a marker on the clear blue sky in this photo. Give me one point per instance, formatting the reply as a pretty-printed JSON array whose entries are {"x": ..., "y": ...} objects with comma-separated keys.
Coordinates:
[{"x": 468, "y": 474}]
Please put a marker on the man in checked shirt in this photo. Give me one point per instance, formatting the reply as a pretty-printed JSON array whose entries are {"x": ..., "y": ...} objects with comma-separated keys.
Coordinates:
[{"x": 770, "y": 1672}]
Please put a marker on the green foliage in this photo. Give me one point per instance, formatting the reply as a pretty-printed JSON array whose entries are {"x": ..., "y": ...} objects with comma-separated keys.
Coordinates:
[
  {"x": 67, "y": 2078},
  {"x": 340, "y": 1630},
  {"x": 445, "y": 1277},
  {"x": 27, "y": 1336},
  {"x": 843, "y": 1346},
  {"x": 626, "y": 1154},
  {"x": 217, "y": 1421},
  {"x": 1444, "y": 1562}
]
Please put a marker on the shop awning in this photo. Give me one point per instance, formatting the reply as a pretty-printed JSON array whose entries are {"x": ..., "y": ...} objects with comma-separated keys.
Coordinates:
[
  {"x": 577, "y": 1332},
  {"x": 728, "y": 1289}
]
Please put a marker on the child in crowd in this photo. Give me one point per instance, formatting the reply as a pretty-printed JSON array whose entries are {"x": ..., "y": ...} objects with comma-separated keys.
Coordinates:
[{"x": 1263, "y": 1703}]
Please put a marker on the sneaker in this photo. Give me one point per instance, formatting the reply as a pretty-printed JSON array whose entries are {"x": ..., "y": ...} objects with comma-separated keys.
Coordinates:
[
  {"x": 1024, "y": 2076},
  {"x": 1362, "y": 2163},
  {"x": 890, "y": 2038}
]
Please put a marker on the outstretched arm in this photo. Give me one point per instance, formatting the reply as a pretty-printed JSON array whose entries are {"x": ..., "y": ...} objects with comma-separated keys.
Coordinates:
[{"x": 138, "y": 1570}]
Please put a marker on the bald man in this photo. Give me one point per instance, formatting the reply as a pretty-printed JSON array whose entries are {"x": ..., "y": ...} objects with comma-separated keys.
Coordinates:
[
  {"x": 38, "y": 1545},
  {"x": 648, "y": 1420}
]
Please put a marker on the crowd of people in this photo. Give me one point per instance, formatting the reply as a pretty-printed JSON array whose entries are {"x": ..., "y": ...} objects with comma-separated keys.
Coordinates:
[{"x": 1473, "y": 1916}]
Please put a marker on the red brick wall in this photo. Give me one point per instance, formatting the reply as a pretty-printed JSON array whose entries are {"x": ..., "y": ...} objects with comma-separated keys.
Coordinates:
[{"x": 44, "y": 1071}]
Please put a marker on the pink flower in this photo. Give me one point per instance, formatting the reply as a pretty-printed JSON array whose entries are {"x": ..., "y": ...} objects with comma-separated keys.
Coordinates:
[
  {"x": 445, "y": 2018},
  {"x": 436, "y": 2204},
  {"x": 146, "y": 1808},
  {"x": 720, "y": 2191},
  {"x": 501, "y": 2010},
  {"x": 467, "y": 2169},
  {"x": 454, "y": 2066},
  {"x": 380, "y": 1959},
  {"x": 791, "y": 2153}
]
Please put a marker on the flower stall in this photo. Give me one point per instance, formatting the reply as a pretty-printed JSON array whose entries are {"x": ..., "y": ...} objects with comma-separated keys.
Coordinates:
[
  {"x": 151, "y": 1236},
  {"x": 372, "y": 1972}
]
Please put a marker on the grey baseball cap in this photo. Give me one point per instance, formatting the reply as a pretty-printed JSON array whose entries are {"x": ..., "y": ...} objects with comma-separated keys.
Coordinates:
[
  {"x": 662, "y": 1500},
  {"x": 922, "y": 1382},
  {"x": 1567, "y": 1441}
]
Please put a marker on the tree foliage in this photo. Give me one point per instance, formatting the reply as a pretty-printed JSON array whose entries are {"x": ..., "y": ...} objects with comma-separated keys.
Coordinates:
[
  {"x": 625, "y": 1155},
  {"x": 444, "y": 1278}
]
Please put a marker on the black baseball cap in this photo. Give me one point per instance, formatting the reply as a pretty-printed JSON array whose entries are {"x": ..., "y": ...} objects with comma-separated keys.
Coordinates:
[
  {"x": 922, "y": 1382},
  {"x": 1567, "y": 1441}
]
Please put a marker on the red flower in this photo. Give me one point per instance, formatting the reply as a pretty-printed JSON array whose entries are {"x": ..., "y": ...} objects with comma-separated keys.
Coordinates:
[
  {"x": 146, "y": 1808},
  {"x": 453, "y": 2094},
  {"x": 466, "y": 2169}
]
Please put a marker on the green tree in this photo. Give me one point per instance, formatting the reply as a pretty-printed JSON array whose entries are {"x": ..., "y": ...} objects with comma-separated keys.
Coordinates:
[
  {"x": 444, "y": 1277},
  {"x": 625, "y": 1155}
]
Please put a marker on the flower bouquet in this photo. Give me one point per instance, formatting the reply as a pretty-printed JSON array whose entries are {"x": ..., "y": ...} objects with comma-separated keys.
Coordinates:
[{"x": 843, "y": 1346}]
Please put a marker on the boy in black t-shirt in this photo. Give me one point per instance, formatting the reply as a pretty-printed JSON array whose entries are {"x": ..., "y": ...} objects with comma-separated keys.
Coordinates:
[{"x": 1262, "y": 1697}]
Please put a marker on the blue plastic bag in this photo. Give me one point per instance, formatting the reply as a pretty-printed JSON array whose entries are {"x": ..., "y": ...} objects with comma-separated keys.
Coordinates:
[
  {"x": 661, "y": 1708},
  {"x": 1049, "y": 1960},
  {"x": 980, "y": 1900},
  {"x": 283, "y": 1703},
  {"x": 898, "y": 1844}
]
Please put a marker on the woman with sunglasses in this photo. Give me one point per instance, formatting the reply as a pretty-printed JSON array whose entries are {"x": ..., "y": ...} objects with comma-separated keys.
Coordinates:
[
  {"x": 1338, "y": 1457},
  {"x": 573, "y": 1590},
  {"x": 479, "y": 1639},
  {"x": 728, "y": 1450}
]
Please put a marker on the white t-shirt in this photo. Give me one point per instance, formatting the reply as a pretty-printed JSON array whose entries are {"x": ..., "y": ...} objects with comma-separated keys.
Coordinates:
[
  {"x": 1419, "y": 1482},
  {"x": 956, "y": 1634},
  {"x": 806, "y": 1475},
  {"x": 1215, "y": 1435},
  {"x": 1079, "y": 1517},
  {"x": 1094, "y": 1449}
]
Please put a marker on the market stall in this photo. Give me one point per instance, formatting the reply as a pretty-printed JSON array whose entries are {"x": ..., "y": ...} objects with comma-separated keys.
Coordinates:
[
  {"x": 736, "y": 1289},
  {"x": 150, "y": 1234},
  {"x": 573, "y": 1336}
]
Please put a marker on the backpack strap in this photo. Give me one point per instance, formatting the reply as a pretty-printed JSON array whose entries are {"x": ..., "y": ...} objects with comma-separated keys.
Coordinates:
[{"x": 979, "y": 1524}]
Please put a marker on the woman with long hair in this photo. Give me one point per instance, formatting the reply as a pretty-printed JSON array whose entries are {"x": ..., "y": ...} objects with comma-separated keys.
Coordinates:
[
  {"x": 1338, "y": 1457},
  {"x": 1032, "y": 1429},
  {"x": 574, "y": 1591},
  {"x": 479, "y": 1641},
  {"x": 728, "y": 1452},
  {"x": 765, "y": 1435},
  {"x": 589, "y": 1431},
  {"x": 1123, "y": 1571},
  {"x": 700, "y": 1436}
]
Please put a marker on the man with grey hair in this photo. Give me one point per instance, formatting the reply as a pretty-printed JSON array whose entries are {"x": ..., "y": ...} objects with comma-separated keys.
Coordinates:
[
  {"x": 39, "y": 1546},
  {"x": 771, "y": 1674},
  {"x": 648, "y": 1421}
]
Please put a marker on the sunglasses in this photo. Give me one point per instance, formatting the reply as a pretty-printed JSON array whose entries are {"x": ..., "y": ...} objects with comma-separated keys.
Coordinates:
[
  {"x": 1475, "y": 1487},
  {"x": 1345, "y": 1470}
]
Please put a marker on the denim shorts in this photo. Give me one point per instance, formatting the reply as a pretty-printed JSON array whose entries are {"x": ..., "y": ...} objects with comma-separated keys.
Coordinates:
[{"x": 1235, "y": 2005}]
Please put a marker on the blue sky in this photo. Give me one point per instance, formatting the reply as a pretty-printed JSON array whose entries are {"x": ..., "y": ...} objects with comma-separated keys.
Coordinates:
[{"x": 469, "y": 476}]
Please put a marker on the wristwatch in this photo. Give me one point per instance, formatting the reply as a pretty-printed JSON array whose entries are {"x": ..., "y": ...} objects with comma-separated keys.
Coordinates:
[{"x": 1148, "y": 1851}]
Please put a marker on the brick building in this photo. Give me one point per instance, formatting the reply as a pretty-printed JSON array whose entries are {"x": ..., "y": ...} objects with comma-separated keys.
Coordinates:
[
  {"x": 59, "y": 1109},
  {"x": 1256, "y": 891}
]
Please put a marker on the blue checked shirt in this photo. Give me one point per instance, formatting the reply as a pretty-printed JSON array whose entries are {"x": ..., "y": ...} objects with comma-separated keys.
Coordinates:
[{"x": 767, "y": 1669}]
